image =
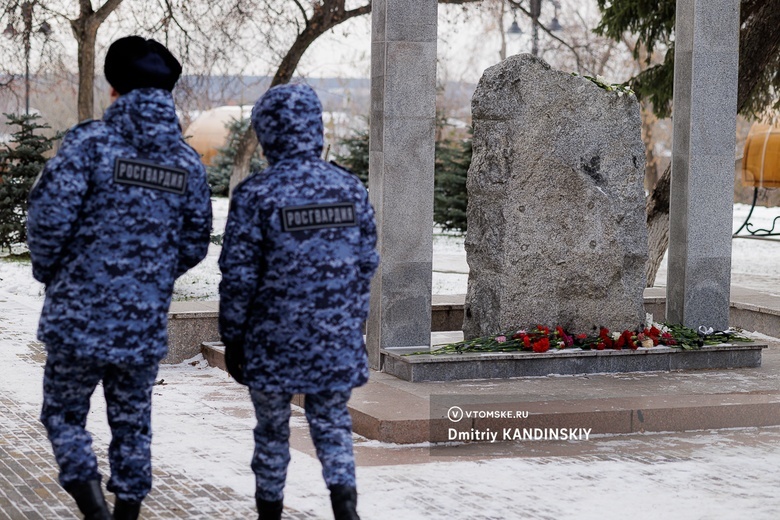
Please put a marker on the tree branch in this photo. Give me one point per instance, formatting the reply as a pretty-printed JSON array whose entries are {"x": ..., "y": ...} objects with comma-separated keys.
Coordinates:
[
  {"x": 516, "y": 5},
  {"x": 172, "y": 16},
  {"x": 85, "y": 7},
  {"x": 358, "y": 11},
  {"x": 303, "y": 11},
  {"x": 105, "y": 10}
]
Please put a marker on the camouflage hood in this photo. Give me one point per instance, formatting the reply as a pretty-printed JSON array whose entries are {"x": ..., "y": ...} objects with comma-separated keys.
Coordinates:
[
  {"x": 288, "y": 122},
  {"x": 145, "y": 118}
]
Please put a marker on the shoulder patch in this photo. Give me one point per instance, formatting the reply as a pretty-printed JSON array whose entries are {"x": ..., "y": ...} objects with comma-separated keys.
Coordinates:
[
  {"x": 318, "y": 216},
  {"x": 150, "y": 175}
]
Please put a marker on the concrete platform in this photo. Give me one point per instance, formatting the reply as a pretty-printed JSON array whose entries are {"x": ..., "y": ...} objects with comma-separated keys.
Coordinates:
[
  {"x": 403, "y": 363},
  {"x": 392, "y": 410},
  {"x": 192, "y": 323}
]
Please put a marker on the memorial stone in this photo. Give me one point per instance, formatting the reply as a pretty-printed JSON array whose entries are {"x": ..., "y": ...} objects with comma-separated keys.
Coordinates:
[{"x": 556, "y": 213}]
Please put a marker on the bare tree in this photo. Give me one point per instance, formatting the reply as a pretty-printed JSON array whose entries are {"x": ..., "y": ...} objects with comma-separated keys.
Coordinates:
[
  {"x": 311, "y": 23},
  {"x": 85, "y": 29},
  {"x": 209, "y": 36},
  {"x": 84, "y": 25},
  {"x": 324, "y": 15}
]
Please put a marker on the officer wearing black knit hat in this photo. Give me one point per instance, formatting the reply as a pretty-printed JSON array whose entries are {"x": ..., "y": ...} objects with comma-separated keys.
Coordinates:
[
  {"x": 133, "y": 213},
  {"x": 133, "y": 62}
]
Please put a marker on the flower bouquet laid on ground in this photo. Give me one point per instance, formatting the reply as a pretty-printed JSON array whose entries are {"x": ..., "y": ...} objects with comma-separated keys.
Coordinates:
[{"x": 542, "y": 338}]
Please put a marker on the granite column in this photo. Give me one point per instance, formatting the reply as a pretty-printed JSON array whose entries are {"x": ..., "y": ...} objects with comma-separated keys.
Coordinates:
[
  {"x": 401, "y": 158},
  {"x": 702, "y": 189}
]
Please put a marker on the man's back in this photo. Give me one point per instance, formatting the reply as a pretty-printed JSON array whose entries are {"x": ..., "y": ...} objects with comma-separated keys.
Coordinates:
[
  {"x": 117, "y": 215},
  {"x": 298, "y": 257}
]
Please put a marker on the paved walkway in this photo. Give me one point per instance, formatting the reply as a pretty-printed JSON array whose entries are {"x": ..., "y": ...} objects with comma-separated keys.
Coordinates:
[
  {"x": 29, "y": 489},
  {"x": 28, "y": 473},
  {"x": 202, "y": 423}
]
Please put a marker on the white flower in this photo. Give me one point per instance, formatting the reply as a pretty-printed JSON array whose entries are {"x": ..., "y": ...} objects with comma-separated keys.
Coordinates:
[{"x": 616, "y": 336}]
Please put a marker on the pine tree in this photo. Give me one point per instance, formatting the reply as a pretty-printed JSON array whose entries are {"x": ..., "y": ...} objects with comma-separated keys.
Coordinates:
[
  {"x": 21, "y": 161},
  {"x": 356, "y": 157},
  {"x": 453, "y": 158},
  {"x": 218, "y": 173},
  {"x": 652, "y": 22},
  {"x": 452, "y": 161}
]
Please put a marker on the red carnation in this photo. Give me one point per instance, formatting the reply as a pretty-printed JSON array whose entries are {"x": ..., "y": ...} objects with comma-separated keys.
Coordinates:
[
  {"x": 543, "y": 345},
  {"x": 667, "y": 339},
  {"x": 606, "y": 339},
  {"x": 628, "y": 339}
]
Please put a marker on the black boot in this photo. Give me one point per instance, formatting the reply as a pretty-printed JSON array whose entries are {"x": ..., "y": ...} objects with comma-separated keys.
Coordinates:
[
  {"x": 344, "y": 501},
  {"x": 124, "y": 510},
  {"x": 89, "y": 497},
  {"x": 269, "y": 510}
]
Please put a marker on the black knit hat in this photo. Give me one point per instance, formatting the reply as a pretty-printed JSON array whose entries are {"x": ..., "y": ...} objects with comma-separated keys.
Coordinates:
[{"x": 134, "y": 62}]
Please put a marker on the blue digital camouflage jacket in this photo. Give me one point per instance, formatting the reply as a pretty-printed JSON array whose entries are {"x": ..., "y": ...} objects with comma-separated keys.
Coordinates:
[
  {"x": 116, "y": 216},
  {"x": 297, "y": 258}
]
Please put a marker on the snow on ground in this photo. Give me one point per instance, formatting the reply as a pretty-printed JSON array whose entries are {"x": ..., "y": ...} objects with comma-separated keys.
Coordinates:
[
  {"x": 202, "y": 428},
  {"x": 202, "y": 422},
  {"x": 754, "y": 262}
]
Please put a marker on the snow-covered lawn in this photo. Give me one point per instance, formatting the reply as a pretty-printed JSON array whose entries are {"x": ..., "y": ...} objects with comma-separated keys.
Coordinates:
[{"x": 755, "y": 263}]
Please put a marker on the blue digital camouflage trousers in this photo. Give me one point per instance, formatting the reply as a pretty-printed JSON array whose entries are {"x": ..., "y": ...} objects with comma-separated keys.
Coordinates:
[
  {"x": 68, "y": 384},
  {"x": 331, "y": 430}
]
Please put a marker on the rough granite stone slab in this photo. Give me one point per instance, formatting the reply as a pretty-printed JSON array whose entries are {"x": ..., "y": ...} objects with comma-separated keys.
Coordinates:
[{"x": 556, "y": 210}]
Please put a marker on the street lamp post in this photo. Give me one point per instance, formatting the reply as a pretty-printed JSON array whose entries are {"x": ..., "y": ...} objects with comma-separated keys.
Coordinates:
[
  {"x": 535, "y": 11},
  {"x": 27, "y": 20},
  {"x": 11, "y": 32}
]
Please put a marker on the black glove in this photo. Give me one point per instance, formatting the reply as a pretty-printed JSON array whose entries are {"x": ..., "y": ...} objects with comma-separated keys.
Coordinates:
[{"x": 235, "y": 361}]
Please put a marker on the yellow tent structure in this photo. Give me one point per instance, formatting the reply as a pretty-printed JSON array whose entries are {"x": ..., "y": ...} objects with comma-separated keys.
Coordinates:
[
  {"x": 761, "y": 157},
  {"x": 208, "y": 132}
]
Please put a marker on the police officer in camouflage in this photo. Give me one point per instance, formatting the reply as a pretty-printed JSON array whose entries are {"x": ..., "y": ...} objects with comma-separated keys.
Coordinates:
[
  {"x": 116, "y": 216},
  {"x": 297, "y": 261}
]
